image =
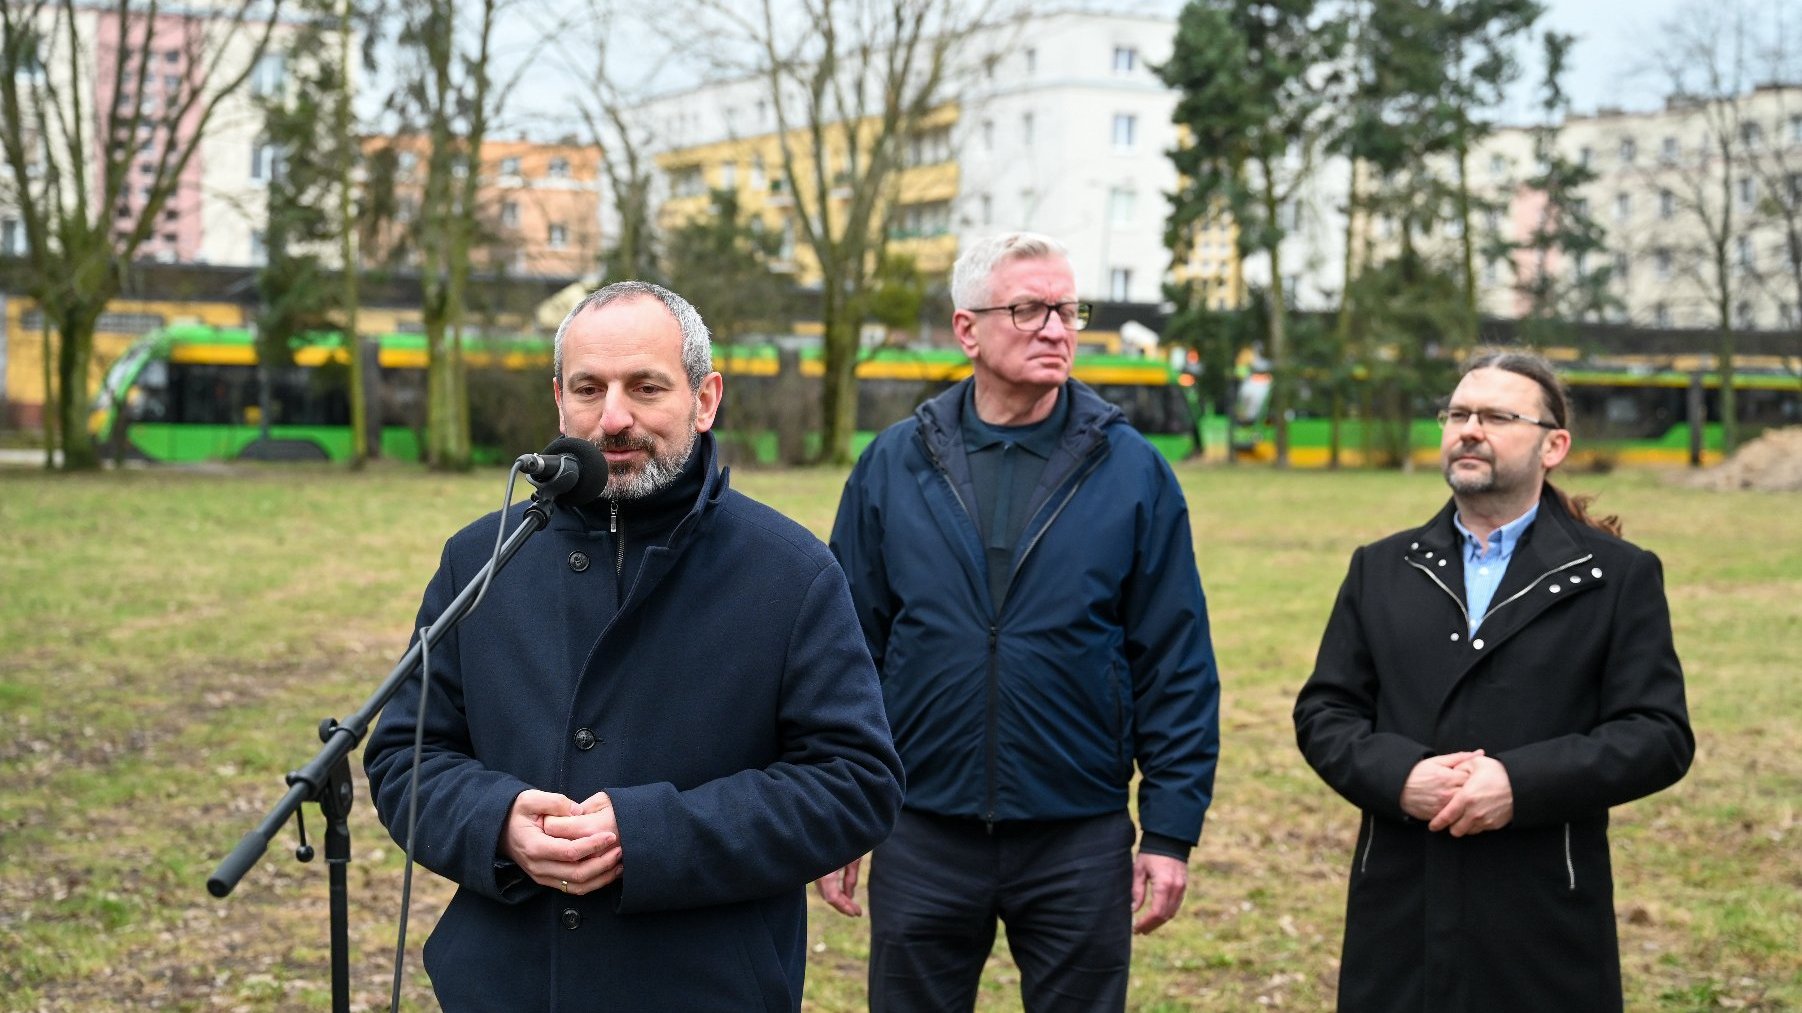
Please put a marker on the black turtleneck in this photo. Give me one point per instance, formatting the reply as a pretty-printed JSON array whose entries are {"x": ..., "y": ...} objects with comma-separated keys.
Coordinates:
[{"x": 629, "y": 527}]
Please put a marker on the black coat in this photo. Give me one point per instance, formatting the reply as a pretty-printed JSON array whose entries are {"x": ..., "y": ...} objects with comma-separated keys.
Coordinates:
[
  {"x": 729, "y": 708},
  {"x": 1572, "y": 682}
]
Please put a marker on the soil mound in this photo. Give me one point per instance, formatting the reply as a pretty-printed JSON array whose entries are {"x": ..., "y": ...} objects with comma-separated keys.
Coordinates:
[{"x": 1771, "y": 463}]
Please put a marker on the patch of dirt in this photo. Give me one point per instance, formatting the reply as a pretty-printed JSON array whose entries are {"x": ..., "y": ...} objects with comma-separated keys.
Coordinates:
[{"x": 1771, "y": 463}]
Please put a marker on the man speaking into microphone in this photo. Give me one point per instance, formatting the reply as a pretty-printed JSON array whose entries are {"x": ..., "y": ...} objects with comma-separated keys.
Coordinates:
[{"x": 660, "y": 725}]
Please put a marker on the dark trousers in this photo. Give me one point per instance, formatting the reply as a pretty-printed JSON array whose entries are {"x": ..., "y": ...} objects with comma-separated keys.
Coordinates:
[{"x": 1063, "y": 889}]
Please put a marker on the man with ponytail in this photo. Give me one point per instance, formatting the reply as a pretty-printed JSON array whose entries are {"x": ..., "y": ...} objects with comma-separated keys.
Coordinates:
[{"x": 1488, "y": 686}]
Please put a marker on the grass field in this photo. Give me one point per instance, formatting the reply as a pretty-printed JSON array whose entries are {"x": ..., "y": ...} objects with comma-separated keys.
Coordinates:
[{"x": 169, "y": 640}]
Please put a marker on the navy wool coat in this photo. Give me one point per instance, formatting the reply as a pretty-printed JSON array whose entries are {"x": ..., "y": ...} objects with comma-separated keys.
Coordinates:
[
  {"x": 1572, "y": 682},
  {"x": 729, "y": 708}
]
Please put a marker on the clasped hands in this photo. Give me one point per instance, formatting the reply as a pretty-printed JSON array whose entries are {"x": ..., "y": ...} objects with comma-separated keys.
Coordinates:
[
  {"x": 1466, "y": 793},
  {"x": 568, "y": 846}
]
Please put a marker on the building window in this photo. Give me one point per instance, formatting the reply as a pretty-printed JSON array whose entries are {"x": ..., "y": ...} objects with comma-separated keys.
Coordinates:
[
  {"x": 1669, "y": 150},
  {"x": 1032, "y": 60},
  {"x": 728, "y": 175},
  {"x": 1748, "y": 193},
  {"x": 687, "y": 182},
  {"x": 1120, "y": 284},
  {"x": 267, "y": 76},
  {"x": 1667, "y": 204},
  {"x": 757, "y": 181},
  {"x": 1126, "y": 59},
  {"x": 987, "y": 204},
  {"x": 917, "y": 221},
  {"x": 1795, "y": 129},
  {"x": 1661, "y": 263},
  {"x": 1026, "y": 129},
  {"x": 1126, "y": 129},
  {"x": 12, "y": 237},
  {"x": 1742, "y": 315},
  {"x": 1743, "y": 257},
  {"x": 510, "y": 214},
  {"x": 1498, "y": 165},
  {"x": 259, "y": 252},
  {"x": 557, "y": 237},
  {"x": 559, "y": 168},
  {"x": 1629, "y": 151},
  {"x": 1661, "y": 315},
  {"x": 929, "y": 147},
  {"x": 988, "y": 135},
  {"x": 1623, "y": 207},
  {"x": 265, "y": 160},
  {"x": 1120, "y": 205},
  {"x": 1583, "y": 155},
  {"x": 510, "y": 166},
  {"x": 1751, "y": 135},
  {"x": 1623, "y": 265}
]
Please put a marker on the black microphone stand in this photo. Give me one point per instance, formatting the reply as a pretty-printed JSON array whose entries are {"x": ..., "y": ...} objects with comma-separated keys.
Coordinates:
[{"x": 326, "y": 777}]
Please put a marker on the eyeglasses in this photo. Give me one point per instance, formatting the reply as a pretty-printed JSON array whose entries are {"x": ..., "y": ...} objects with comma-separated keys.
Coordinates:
[
  {"x": 1033, "y": 316},
  {"x": 1488, "y": 418}
]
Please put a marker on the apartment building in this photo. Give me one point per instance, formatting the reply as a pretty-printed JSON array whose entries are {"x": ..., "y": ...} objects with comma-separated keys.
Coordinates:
[
  {"x": 154, "y": 67},
  {"x": 539, "y": 206},
  {"x": 1059, "y": 125}
]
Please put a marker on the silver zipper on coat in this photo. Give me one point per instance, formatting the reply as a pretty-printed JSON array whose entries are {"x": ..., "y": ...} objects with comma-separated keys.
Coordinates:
[
  {"x": 619, "y": 542},
  {"x": 1370, "y": 840},
  {"x": 1536, "y": 580},
  {"x": 1459, "y": 599},
  {"x": 1570, "y": 867}
]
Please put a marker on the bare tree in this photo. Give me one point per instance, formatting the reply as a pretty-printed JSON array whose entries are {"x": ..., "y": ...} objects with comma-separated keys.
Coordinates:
[
  {"x": 616, "y": 63},
  {"x": 1777, "y": 165},
  {"x": 850, "y": 82},
  {"x": 1705, "y": 57},
  {"x": 446, "y": 100},
  {"x": 101, "y": 112}
]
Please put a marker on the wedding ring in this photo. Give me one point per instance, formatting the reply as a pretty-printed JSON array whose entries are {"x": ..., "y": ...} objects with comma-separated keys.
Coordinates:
[{"x": 566, "y": 886}]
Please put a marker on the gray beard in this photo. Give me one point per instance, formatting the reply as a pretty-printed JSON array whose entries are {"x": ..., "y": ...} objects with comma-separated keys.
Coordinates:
[
  {"x": 659, "y": 471},
  {"x": 657, "y": 474}
]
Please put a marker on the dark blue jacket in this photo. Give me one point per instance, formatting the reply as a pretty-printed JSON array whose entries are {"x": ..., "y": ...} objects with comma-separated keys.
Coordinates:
[
  {"x": 727, "y": 706},
  {"x": 1038, "y": 706}
]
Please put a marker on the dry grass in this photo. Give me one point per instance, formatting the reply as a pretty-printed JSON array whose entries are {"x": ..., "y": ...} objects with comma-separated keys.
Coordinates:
[{"x": 168, "y": 641}]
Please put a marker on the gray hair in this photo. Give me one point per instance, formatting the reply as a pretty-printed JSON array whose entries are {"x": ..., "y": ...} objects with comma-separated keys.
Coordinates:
[
  {"x": 697, "y": 343},
  {"x": 970, "y": 275}
]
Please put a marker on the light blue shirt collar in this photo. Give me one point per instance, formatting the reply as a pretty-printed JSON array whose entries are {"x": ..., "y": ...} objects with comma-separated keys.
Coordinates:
[{"x": 1483, "y": 570}]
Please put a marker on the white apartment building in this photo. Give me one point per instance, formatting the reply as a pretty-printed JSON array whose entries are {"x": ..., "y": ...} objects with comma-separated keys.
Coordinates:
[{"x": 1062, "y": 127}]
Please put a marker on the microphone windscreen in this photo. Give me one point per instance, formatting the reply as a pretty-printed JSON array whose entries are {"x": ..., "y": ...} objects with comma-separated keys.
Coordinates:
[{"x": 591, "y": 469}]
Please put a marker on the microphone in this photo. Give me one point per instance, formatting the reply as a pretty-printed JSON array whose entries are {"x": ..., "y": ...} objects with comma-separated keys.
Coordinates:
[{"x": 570, "y": 470}]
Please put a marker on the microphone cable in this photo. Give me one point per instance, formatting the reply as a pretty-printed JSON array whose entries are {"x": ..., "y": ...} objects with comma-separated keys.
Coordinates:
[{"x": 425, "y": 683}]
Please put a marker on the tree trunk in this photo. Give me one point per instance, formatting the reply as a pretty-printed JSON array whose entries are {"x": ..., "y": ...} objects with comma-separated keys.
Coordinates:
[
  {"x": 1281, "y": 378},
  {"x": 365, "y": 439},
  {"x": 72, "y": 362},
  {"x": 838, "y": 395}
]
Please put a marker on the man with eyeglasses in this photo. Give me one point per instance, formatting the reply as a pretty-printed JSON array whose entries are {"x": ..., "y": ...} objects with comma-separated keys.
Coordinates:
[
  {"x": 1488, "y": 686},
  {"x": 1021, "y": 564}
]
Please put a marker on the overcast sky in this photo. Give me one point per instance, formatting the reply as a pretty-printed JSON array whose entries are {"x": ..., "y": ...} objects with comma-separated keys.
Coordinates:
[{"x": 1611, "y": 37}]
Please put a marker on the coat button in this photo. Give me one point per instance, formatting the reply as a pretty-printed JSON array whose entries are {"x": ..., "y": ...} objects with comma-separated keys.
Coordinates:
[
  {"x": 1442, "y": 562},
  {"x": 1478, "y": 644},
  {"x": 1454, "y": 637},
  {"x": 585, "y": 739},
  {"x": 1576, "y": 579},
  {"x": 572, "y": 919},
  {"x": 578, "y": 561},
  {"x": 1429, "y": 555},
  {"x": 1555, "y": 589},
  {"x": 1595, "y": 571},
  {"x": 1414, "y": 545}
]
